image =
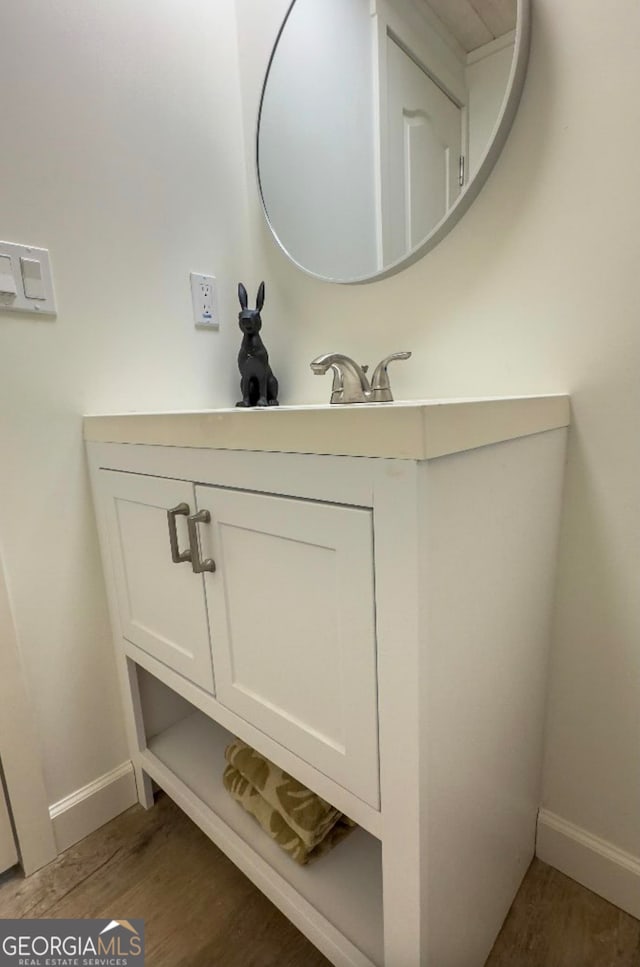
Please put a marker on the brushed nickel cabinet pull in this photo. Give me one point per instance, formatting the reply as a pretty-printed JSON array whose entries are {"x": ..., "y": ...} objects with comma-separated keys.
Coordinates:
[
  {"x": 177, "y": 556},
  {"x": 198, "y": 565}
]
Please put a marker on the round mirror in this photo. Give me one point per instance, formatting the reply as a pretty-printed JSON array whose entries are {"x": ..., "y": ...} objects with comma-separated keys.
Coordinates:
[{"x": 380, "y": 120}]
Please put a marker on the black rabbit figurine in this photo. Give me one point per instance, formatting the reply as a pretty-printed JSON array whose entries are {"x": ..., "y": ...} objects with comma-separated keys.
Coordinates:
[{"x": 258, "y": 385}]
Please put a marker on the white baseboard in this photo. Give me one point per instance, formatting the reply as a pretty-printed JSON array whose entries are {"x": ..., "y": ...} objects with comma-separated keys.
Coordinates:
[
  {"x": 86, "y": 809},
  {"x": 593, "y": 862}
]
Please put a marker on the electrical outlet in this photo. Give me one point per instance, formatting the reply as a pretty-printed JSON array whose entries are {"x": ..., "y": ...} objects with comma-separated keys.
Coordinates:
[{"x": 205, "y": 301}]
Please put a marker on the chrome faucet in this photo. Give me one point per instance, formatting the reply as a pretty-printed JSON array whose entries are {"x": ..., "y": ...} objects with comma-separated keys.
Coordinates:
[{"x": 350, "y": 382}]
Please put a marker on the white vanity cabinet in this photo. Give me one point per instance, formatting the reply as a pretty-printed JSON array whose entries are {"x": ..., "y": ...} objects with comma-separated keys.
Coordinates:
[{"x": 373, "y": 617}]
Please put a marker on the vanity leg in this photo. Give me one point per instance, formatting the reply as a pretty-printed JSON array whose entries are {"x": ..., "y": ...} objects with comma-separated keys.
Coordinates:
[
  {"x": 144, "y": 787},
  {"x": 135, "y": 731},
  {"x": 397, "y": 523}
]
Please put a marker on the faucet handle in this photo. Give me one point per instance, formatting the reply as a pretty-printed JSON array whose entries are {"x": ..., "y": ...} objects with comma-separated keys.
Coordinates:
[{"x": 380, "y": 386}]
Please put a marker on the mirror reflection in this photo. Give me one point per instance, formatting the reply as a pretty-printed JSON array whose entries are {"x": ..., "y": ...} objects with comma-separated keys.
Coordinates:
[{"x": 375, "y": 117}]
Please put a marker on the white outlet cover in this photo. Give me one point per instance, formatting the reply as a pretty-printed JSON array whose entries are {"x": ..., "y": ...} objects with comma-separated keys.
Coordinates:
[{"x": 204, "y": 299}]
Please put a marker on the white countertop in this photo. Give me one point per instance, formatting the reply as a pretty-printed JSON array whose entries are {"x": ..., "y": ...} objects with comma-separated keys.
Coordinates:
[{"x": 413, "y": 430}]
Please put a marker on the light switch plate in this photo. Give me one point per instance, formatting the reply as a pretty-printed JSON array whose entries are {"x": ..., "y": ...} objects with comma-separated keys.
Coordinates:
[
  {"x": 204, "y": 298},
  {"x": 41, "y": 299}
]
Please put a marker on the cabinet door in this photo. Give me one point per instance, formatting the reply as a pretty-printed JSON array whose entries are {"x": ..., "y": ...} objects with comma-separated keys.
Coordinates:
[
  {"x": 291, "y": 611},
  {"x": 161, "y": 605}
]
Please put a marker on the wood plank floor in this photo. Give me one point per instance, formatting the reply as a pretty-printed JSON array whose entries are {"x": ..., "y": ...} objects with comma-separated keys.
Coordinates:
[{"x": 200, "y": 911}]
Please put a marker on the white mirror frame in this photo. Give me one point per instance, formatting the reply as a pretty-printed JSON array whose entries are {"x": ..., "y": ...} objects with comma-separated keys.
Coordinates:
[{"x": 496, "y": 143}]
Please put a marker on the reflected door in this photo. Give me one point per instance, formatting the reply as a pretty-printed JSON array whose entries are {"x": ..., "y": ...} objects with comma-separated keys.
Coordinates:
[
  {"x": 8, "y": 854},
  {"x": 423, "y": 154}
]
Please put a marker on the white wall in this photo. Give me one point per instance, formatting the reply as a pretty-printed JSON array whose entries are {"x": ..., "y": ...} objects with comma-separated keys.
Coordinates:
[
  {"x": 321, "y": 201},
  {"x": 122, "y": 155},
  {"x": 535, "y": 291}
]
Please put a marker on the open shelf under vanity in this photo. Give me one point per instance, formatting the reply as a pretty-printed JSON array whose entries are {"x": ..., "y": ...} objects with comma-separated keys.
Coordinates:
[{"x": 186, "y": 759}]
